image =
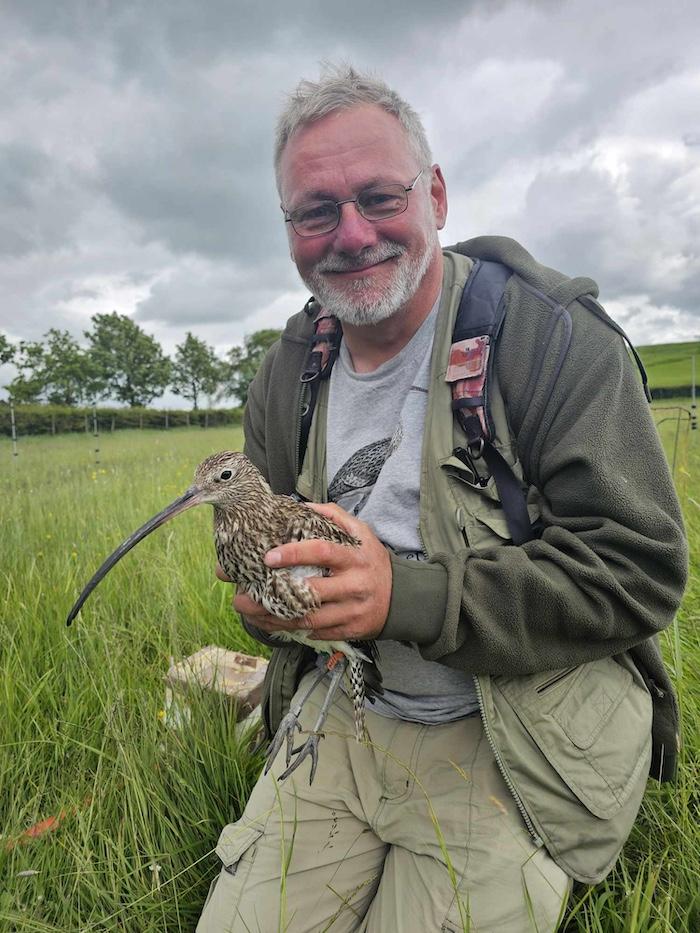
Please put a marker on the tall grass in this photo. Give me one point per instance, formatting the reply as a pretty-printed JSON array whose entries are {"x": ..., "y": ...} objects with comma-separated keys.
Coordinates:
[
  {"x": 82, "y": 735},
  {"x": 126, "y": 809}
]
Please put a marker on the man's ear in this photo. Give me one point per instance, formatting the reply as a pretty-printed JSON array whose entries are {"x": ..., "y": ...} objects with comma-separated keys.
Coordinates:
[{"x": 438, "y": 195}]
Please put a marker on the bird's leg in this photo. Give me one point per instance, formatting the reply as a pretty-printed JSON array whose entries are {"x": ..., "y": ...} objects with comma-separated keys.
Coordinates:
[
  {"x": 337, "y": 663},
  {"x": 290, "y": 722}
]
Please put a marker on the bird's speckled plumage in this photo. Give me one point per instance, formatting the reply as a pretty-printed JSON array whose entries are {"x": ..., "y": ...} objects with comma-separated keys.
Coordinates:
[{"x": 249, "y": 520}]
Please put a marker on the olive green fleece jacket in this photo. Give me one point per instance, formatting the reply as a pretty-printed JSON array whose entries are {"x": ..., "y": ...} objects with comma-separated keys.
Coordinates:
[{"x": 607, "y": 573}]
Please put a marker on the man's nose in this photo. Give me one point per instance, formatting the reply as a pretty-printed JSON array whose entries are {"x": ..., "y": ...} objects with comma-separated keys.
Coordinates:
[{"x": 353, "y": 233}]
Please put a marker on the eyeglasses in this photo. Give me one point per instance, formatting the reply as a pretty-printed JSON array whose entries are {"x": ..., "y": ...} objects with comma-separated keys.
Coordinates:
[{"x": 318, "y": 217}]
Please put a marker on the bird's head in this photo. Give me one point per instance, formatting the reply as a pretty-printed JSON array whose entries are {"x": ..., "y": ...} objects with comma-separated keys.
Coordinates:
[
  {"x": 227, "y": 479},
  {"x": 224, "y": 480}
]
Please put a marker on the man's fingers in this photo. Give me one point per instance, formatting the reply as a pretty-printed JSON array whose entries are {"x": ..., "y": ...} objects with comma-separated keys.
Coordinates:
[
  {"x": 272, "y": 624},
  {"x": 260, "y": 617},
  {"x": 313, "y": 552},
  {"x": 221, "y": 575},
  {"x": 246, "y": 605},
  {"x": 334, "y": 588}
]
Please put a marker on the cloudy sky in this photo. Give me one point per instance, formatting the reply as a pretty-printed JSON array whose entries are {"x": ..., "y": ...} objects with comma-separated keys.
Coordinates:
[{"x": 136, "y": 149}]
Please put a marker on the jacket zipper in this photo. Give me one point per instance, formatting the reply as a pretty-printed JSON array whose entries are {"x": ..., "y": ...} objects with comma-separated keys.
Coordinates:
[
  {"x": 502, "y": 767},
  {"x": 297, "y": 433},
  {"x": 537, "y": 839}
]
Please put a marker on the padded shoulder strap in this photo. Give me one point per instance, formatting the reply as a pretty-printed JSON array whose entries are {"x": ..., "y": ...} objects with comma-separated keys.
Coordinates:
[
  {"x": 479, "y": 320},
  {"x": 478, "y": 324}
]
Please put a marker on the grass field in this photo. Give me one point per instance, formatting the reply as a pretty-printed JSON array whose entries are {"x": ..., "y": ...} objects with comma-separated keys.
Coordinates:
[
  {"x": 137, "y": 805},
  {"x": 669, "y": 365}
]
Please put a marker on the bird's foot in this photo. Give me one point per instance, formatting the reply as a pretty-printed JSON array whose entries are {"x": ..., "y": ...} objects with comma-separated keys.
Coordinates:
[
  {"x": 290, "y": 723},
  {"x": 334, "y": 659},
  {"x": 308, "y": 749},
  {"x": 285, "y": 732}
]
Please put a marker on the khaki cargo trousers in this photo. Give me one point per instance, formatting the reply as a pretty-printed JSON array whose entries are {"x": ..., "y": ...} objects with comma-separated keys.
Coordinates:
[{"x": 413, "y": 833}]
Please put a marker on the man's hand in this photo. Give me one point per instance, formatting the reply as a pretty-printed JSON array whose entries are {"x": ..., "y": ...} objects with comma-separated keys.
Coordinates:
[{"x": 354, "y": 599}]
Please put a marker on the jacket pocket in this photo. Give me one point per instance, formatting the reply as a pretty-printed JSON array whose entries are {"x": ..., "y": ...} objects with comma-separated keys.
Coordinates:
[
  {"x": 592, "y": 724},
  {"x": 576, "y": 745},
  {"x": 479, "y": 513}
]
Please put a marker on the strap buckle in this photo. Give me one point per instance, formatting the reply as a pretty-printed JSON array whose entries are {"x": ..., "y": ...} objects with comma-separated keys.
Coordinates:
[{"x": 463, "y": 454}]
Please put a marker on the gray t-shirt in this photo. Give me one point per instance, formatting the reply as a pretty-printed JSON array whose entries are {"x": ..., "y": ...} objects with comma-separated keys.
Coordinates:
[{"x": 375, "y": 433}]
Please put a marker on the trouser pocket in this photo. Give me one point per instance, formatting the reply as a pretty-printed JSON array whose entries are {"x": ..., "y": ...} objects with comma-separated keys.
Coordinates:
[{"x": 236, "y": 849}]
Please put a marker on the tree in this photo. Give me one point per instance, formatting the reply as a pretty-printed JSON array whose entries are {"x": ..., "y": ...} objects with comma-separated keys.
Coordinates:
[
  {"x": 195, "y": 370},
  {"x": 7, "y": 350},
  {"x": 244, "y": 362},
  {"x": 130, "y": 364},
  {"x": 58, "y": 370},
  {"x": 29, "y": 360}
]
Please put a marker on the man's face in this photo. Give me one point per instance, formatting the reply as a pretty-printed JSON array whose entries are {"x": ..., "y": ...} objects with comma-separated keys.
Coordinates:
[{"x": 362, "y": 271}]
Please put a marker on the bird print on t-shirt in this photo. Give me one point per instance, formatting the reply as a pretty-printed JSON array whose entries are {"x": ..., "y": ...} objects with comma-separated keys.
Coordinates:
[{"x": 360, "y": 471}]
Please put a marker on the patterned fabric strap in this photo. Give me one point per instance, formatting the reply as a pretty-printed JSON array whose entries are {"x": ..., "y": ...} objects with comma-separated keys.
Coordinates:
[
  {"x": 466, "y": 371},
  {"x": 325, "y": 344}
]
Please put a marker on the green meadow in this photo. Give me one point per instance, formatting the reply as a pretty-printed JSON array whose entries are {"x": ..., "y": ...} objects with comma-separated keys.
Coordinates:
[
  {"x": 109, "y": 812},
  {"x": 669, "y": 365}
]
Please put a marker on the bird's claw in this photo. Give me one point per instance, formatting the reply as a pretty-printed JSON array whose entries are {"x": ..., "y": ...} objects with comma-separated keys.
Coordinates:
[
  {"x": 291, "y": 722},
  {"x": 309, "y": 748},
  {"x": 284, "y": 732}
]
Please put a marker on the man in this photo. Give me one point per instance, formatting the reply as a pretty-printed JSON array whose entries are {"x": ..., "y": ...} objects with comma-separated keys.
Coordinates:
[{"x": 511, "y": 746}]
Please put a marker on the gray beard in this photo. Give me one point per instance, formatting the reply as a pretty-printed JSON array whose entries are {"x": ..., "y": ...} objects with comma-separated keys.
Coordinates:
[{"x": 359, "y": 302}]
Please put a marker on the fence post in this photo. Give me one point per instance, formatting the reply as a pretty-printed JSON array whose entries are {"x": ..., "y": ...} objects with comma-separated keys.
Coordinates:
[
  {"x": 693, "y": 406},
  {"x": 166, "y": 419},
  {"x": 14, "y": 427},
  {"x": 53, "y": 422},
  {"x": 95, "y": 433},
  {"x": 112, "y": 424},
  {"x": 140, "y": 419},
  {"x": 206, "y": 418}
]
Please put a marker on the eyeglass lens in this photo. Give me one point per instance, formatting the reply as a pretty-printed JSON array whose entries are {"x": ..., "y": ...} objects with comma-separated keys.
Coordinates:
[{"x": 373, "y": 203}]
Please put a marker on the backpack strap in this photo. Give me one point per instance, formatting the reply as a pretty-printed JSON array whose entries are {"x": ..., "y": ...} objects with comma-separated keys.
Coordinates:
[
  {"x": 479, "y": 320},
  {"x": 323, "y": 352},
  {"x": 589, "y": 302},
  {"x": 477, "y": 326}
]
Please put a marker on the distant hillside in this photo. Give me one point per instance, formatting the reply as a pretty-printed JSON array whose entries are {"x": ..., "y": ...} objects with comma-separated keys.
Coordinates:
[{"x": 668, "y": 365}]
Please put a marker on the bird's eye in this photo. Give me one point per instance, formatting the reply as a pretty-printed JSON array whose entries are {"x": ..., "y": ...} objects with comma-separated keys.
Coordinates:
[{"x": 226, "y": 474}]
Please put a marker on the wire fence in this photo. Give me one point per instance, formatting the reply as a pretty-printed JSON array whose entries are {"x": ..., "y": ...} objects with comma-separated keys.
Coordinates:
[
  {"x": 18, "y": 421},
  {"x": 676, "y": 424}
]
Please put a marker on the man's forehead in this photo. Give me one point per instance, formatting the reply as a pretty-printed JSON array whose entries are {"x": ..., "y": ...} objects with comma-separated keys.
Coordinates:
[
  {"x": 362, "y": 120},
  {"x": 362, "y": 144}
]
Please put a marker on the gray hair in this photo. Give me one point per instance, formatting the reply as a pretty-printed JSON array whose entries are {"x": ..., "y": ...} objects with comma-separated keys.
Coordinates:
[{"x": 339, "y": 88}]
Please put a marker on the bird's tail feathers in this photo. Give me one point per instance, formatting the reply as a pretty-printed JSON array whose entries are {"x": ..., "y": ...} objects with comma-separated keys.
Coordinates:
[{"x": 357, "y": 682}]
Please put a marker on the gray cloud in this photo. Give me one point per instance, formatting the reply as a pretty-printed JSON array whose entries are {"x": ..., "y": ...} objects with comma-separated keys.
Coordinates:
[
  {"x": 136, "y": 147},
  {"x": 200, "y": 292}
]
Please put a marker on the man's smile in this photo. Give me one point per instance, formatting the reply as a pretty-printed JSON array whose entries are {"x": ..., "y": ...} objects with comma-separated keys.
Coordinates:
[{"x": 360, "y": 270}]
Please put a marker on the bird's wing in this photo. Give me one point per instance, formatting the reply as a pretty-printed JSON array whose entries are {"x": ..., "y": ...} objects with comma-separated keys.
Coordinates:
[{"x": 303, "y": 523}]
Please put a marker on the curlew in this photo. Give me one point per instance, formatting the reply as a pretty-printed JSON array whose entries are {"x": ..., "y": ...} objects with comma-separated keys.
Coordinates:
[{"x": 249, "y": 520}]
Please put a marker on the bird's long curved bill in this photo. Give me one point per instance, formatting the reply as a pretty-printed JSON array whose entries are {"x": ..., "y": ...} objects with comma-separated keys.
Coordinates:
[{"x": 190, "y": 497}]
